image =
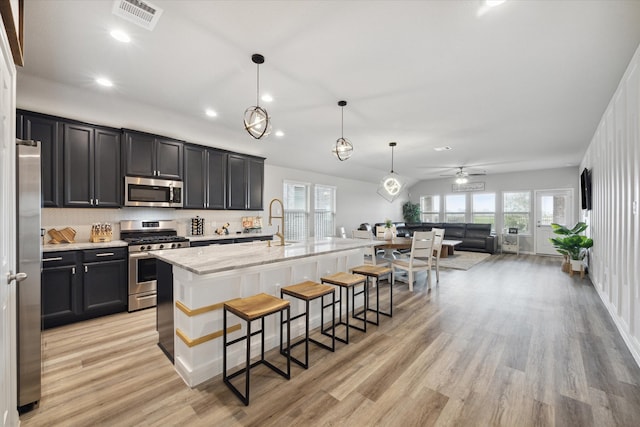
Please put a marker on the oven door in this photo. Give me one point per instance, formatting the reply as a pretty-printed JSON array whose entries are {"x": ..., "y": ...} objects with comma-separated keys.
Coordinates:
[{"x": 142, "y": 281}]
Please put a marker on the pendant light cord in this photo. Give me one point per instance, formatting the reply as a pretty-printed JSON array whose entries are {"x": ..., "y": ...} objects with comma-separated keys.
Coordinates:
[
  {"x": 392, "y": 159},
  {"x": 258, "y": 87},
  {"x": 342, "y": 125}
]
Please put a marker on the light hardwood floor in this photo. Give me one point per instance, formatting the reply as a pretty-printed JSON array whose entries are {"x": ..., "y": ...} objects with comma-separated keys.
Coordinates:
[{"x": 513, "y": 341}]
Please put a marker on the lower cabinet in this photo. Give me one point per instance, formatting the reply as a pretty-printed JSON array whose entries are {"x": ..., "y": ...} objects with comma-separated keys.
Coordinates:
[
  {"x": 229, "y": 241},
  {"x": 79, "y": 285}
]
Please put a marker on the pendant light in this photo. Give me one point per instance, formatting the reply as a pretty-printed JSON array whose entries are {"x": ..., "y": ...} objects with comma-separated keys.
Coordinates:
[
  {"x": 256, "y": 119},
  {"x": 391, "y": 184},
  {"x": 342, "y": 149}
]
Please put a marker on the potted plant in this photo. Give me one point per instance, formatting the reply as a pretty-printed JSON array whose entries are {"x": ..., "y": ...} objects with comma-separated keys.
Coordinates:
[
  {"x": 573, "y": 245},
  {"x": 388, "y": 232},
  {"x": 411, "y": 212}
]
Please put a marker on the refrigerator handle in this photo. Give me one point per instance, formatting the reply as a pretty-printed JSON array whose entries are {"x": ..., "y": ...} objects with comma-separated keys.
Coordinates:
[{"x": 18, "y": 277}]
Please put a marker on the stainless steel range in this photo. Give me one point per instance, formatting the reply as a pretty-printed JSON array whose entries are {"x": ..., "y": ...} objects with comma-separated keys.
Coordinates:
[{"x": 145, "y": 236}]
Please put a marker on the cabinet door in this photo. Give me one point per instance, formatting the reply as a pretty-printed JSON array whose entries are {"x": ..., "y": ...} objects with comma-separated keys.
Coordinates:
[
  {"x": 59, "y": 297},
  {"x": 139, "y": 154},
  {"x": 236, "y": 182},
  {"x": 49, "y": 133},
  {"x": 104, "y": 285},
  {"x": 194, "y": 177},
  {"x": 78, "y": 165},
  {"x": 217, "y": 174},
  {"x": 108, "y": 182},
  {"x": 168, "y": 157},
  {"x": 256, "y": 179}
]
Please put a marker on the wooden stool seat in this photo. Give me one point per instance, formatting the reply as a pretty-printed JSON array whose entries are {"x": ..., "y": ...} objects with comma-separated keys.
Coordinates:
[
  {"x": 255, "y": 307},
  {"x": 376, "y": 271},
  {"x": 309, "y": 291},
  {"x": 348, "y": 281}
]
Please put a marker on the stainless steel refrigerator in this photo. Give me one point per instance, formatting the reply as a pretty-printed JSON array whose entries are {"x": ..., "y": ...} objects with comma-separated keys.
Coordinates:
[{"x": 29, "y": 338}]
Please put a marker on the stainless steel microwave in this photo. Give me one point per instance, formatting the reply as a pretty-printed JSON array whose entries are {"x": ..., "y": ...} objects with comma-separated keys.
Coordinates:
[{"x": 159, "y": 193}]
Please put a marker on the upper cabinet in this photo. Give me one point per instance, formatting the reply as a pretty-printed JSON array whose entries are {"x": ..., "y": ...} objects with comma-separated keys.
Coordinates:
[
  {"x": 92, "y": 175},
  {"x": 152, "y": 156},
  {"x": 245, "y": 182},
  {"x": 204, "y": 177},
  {"x": 48, "y": 130}
]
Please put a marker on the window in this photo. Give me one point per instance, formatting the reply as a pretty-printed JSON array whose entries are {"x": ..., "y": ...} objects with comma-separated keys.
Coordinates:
[
  {"x": 325, "y": 211},
  {"x": 516, "y": 207},
  {"x": 430, "y": 208},
  {"x": 484, "y": 209},
  {"x": 455, "y": 207},
  {"x": 296, "y": 211}
]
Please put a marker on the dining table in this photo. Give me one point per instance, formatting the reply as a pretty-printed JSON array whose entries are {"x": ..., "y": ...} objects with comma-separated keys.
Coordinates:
[{"x": 399, "y": 243}]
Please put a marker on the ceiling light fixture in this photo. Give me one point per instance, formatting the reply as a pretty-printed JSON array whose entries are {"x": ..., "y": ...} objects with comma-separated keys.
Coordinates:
[
  {"x": 256, "y": 119},
  {"x": 103, "y": 81},
  {"x": 444, "y": 148},
  {"x": 342, "y": 149},
  {"x": 461, "y": 177},
  {"x": 486, "y": 5},
  {"x": 391, "y": 184},
  {"x": 279, "y": 133},
  {"x": 121, "y": 36},
  {"x": 210, "y": 113},
  {"x": 267, "y": 98}
]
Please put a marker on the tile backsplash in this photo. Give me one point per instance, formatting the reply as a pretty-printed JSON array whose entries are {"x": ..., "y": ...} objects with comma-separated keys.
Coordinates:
[{"x": 82, "y": 219}]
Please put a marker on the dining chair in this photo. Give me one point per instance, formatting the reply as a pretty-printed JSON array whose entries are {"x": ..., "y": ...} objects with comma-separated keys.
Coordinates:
[
  {"x": 437, "y": 249},
  {"x": 371, "y": 255},
  {"x": 419, "y": 259}
]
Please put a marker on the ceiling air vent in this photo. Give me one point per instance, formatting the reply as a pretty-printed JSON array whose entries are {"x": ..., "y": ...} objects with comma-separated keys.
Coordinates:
[{"x": 139, "y": 12}]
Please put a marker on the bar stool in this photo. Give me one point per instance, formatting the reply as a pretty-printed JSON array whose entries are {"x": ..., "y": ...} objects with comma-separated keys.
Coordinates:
[
  {"x": 309, "y": 291},
  {"x": 253, "y": 308},
  {"x": 347, "y": 281},
  {"x": 376, "y": 271}
]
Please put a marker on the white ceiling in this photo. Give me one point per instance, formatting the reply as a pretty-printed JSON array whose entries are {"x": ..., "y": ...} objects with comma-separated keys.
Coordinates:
[{"x": 521, "y": 87}]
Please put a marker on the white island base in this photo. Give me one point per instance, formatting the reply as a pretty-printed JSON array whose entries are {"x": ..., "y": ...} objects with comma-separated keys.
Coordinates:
[{"x": 198, "y": 298}]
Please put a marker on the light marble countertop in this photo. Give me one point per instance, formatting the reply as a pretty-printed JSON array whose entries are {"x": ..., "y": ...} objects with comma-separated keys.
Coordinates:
[
  {"x": 227, "y": 236},
  {"x": 82, "y": 245},
  {"x": 217, "y": 258}
]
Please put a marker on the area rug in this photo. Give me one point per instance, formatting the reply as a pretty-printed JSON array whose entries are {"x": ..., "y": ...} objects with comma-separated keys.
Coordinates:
[{"x": 463, "y": 260}]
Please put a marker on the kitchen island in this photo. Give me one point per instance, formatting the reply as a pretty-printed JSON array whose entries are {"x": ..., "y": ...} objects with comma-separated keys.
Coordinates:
[{"x": 193, "y": 284}]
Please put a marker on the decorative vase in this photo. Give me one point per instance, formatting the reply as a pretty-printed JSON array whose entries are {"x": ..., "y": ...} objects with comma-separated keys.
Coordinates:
[
  {"x": 566, "y": 265},
  {"x": 576, "y": 265},
  {"x": 388, "y": 234}
]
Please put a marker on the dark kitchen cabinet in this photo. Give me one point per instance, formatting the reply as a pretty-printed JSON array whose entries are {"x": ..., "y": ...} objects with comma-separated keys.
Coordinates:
[
  {"x": 204, "y": 178},
  {"x": 79, "y": 285},
  {"x": 245, "y": 182},
  {"x": 152, "y": 156},
  {"x": 104, "y": 281},
  {"x": 91, "y": 166},
  {"x": 60, "y": 287},
  {"x": 49, "y": 131}
]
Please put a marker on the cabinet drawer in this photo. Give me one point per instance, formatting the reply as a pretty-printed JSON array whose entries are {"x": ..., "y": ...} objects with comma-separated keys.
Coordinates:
[
  {"x": 56, "y": 259},
  {"x": 105, "y": 254}
]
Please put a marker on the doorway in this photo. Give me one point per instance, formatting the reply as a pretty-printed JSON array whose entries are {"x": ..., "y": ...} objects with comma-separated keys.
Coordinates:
[{"x": 552, "y": 206}]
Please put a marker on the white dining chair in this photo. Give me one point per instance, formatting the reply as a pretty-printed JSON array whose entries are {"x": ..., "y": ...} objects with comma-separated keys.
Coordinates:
[
  {"x": 437, "y": 249},
  {"x": 419, "y": 259}
]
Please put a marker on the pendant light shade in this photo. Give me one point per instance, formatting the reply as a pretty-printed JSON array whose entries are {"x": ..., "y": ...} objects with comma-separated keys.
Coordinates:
[
  {"x": 342, "y": 149},
  {"x": 256, "y": 119},
  {"x": 391, "y": 184}
]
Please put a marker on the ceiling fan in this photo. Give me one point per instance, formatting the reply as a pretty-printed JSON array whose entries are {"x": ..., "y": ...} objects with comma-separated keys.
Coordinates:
[{"x": 462, "y": 175}]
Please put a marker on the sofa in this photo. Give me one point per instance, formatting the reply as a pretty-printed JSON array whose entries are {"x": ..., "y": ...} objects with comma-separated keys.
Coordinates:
[{"x": 474, "y": 237}]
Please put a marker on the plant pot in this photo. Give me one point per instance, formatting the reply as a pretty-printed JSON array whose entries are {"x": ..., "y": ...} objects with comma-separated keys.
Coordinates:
[
  {"x": 388, "y": 234},
  {"x": 576, "y": 265},
  {"x": 566, "y": 265}
]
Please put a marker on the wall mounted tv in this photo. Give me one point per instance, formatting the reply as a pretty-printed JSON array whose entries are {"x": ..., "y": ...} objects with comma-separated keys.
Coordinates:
[{"x": 585, "y": 188}]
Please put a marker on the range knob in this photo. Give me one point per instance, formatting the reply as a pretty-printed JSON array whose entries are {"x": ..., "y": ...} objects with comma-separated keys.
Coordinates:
[{"x": 161, "y": 246}]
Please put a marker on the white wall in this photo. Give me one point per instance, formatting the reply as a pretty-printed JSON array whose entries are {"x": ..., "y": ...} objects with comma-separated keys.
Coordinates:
[
  {"x": 547, "y": 179},
  {"x": 614, "y": 159}
]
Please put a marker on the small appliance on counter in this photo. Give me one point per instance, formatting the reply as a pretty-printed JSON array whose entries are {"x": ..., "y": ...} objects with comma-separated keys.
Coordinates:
[
  {"x": 197, "y": 226},
  {"x": 101, "y": 233},
  {"x": 223, "y": 230}
]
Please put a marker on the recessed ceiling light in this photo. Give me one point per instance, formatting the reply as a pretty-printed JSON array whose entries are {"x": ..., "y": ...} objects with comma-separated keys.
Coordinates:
[
  {"x": 489, "y": 4},
  {"x": 121, "y": 36},
  {"x": 445, "y": 148},
  {"x": 267, "y": 98},
  {"x": 279, "y": 133},
  {"x": 103, "y": 81},
  {"x": 209, "y": 112}
]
